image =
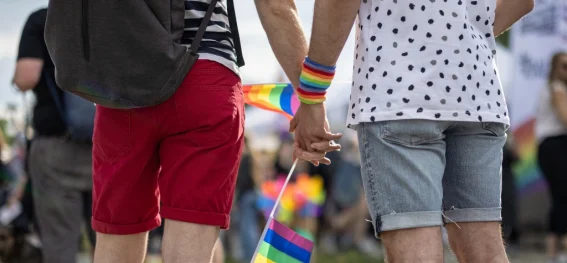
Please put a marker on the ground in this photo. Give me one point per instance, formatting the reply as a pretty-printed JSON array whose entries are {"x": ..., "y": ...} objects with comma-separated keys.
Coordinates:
[{"x": 524, "y": 256}]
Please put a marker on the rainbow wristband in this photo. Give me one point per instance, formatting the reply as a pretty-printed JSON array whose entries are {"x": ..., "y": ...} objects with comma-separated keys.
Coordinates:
[{"x": 314, "y": 81}]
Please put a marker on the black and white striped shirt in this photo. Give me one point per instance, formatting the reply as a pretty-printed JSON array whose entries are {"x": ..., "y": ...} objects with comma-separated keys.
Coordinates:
[{"x": 217, "y": 44}]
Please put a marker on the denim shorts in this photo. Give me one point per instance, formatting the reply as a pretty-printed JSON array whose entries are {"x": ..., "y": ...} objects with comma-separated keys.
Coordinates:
[{"x": 422, "y": 173}]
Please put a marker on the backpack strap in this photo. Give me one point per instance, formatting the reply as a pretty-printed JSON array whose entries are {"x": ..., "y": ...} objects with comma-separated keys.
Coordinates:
[
  {"x": 235, "y": 34},
  {"x": 203, "y": 27}
]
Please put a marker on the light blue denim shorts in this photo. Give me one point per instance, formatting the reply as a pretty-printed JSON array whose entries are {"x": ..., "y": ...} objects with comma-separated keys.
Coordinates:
[{"x": 422, "y": 173}]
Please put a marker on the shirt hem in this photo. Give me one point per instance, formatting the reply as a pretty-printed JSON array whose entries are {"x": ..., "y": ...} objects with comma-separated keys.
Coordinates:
[
  {"x": 409, "y": 115},
  {"x": 229, "y": 64}
]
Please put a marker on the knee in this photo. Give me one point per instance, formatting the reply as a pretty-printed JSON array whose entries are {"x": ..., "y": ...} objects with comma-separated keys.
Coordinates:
[
  {"x": 425, "y": 244},
  {"x": 477, "y": 241}
]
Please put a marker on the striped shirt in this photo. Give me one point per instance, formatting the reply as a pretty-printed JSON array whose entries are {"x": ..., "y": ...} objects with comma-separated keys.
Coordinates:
[{"x": 217, "y": 44}]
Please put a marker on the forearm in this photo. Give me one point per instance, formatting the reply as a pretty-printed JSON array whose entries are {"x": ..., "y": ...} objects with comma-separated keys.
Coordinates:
[
  {"x": 332, "y": 23},
  {"x": 285, "y": 34},
  {"x": 509, "y": 12}
]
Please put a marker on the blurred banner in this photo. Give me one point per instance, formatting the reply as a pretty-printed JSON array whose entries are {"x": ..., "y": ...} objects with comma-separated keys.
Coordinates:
[{"x": 533, "y": 40}]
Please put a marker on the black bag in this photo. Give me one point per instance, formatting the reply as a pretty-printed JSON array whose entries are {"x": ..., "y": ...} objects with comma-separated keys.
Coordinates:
[
  {"x": 77, "y": 113},
  {"x": 121, "y": 53}
]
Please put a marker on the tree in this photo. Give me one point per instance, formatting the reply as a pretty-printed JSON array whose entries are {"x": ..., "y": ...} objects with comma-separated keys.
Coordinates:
[
  {"x": 4, "y": 129},
  {"x": 12, "y": 109},
  {"x": 504, "y": 39}
]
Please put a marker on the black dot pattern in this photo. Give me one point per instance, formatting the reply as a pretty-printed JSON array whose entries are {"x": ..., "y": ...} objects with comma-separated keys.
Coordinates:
[{"x": 429, "y": 59}]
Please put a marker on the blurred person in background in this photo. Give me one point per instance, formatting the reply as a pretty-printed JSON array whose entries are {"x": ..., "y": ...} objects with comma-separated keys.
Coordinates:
[
  {"x": 18, "y": 241},
  {"x": 510, "y": 228},
  {"x": 551, "y": 133},
  {"x": 60, "y": 168},
  {"x": 3, "y": 153},
  {"x": 346, "y": 208},
  {"x": 255, "y": 168}
]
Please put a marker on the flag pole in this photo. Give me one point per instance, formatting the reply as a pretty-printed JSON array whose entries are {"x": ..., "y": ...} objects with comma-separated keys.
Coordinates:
[
  {"x": 283, "y": 188},
  {"x": 274, "y": 209}
]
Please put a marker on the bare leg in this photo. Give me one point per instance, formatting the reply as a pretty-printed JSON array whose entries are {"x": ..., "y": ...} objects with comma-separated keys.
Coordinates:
[
  {"x": 477, "y": 242},
  {"x": 188, "y": 243},
  {"x": 218, "y": 254},
  {"x": 120, "y": 248},
  {"x": 413, "y": 245},
  {"x": 551, "y": 248}
]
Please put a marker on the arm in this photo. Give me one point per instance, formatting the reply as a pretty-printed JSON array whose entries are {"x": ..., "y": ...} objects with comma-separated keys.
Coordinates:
[
  {"x": 559, "y": 101},
  {"x": 508, "y": 12},
  {"x": 281, "y": 23},
  {"x": 30, "y": 54},
  {"x": 28, "y": 73},
  {"x": 332, "y": 23}
]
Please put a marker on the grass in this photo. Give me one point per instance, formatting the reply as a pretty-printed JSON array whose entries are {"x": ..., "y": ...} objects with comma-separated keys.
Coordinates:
[{"x": 351, "y": 256}]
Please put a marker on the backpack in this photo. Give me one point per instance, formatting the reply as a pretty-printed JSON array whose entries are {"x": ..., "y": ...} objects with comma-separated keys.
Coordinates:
[
  {"x": 77, "y": 113},
  {"x": 121, "y": 53}
]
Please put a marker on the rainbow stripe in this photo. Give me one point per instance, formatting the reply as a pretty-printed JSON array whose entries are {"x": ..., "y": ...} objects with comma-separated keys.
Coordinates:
[
  {"x": 282, "y": 245},
  {"x": 314, "y": 81},
  {"x": 528, "y": 175},
  {"x": 279, "y": 98}
]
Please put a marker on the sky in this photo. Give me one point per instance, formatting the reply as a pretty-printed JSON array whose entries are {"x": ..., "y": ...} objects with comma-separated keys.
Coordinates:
[{"x": 261, "y": 65}]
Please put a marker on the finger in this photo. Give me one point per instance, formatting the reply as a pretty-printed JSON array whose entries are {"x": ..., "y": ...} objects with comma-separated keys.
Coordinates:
[
  {"x": 325, "y": 160},
  {"x": 292, "y": 124},
  {"x": 326, "y": 146},
  {"x": 299, "y": 142},
  {"x": 307, "y": 145},
  {"x": 295, "y": 157},
  {"x": 309, "y": 156},
  {"x": 331, "y": 136}
]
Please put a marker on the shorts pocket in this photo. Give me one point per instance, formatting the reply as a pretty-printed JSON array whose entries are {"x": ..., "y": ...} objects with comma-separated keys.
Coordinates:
[
  {"x": 209, "y": 105},
  {"x": 495, "y": 128},
  {"x": 411, "y": 132},
  {"x": 209, "y": 114},
  {"x": 111, "y": 138}
]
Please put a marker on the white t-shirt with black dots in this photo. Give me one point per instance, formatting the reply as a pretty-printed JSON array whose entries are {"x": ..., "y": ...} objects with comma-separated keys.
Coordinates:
[{"x": 426, "y": 59}]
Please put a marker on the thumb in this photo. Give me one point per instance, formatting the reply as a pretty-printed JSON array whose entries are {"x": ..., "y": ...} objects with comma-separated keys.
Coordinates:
[
  {"x": 292, "y": 124},
  {"x": 331, "y": 136}
]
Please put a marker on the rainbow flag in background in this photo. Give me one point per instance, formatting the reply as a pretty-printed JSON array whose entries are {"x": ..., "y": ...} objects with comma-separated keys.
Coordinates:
[
  {"x": 279, "y": 244},
  {"x": 279, "y": 98},
  {"x": 528, "y": 175}
]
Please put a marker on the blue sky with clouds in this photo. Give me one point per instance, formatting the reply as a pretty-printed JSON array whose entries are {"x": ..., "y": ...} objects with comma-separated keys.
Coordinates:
[{"x": 261, "y": 65}]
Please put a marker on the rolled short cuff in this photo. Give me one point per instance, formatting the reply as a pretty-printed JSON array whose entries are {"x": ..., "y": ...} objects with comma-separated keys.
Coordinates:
[
  {"x": 407, "y": 220},
  {"x": 456, "y": 215}
]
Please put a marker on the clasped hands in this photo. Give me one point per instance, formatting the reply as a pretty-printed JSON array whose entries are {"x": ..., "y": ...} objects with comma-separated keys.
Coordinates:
[{"x": 313, "y": 137}]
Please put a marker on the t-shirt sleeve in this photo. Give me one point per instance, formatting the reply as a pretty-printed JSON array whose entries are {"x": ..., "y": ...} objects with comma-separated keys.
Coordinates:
[{"x": 32, "y": 41}]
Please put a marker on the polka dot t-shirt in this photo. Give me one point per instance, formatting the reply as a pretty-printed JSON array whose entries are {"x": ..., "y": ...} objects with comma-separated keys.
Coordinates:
[{"x": 426, "y": 59}]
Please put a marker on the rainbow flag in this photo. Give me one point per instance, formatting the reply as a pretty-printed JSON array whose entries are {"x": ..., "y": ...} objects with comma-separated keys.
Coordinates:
[
  {"x": 279, "y": 244},
  {"x": 279, "y": 98},
  {"x": 528, "y": 175}
]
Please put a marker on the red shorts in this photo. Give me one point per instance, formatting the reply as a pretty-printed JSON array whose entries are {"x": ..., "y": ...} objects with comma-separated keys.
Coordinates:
[{"x": 179, "y": 159}]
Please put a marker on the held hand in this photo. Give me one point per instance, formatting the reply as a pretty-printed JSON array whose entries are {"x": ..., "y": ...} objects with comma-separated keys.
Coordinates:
[
  {"x": 312, "y": 134},
  {"x": 317, "y": 157}
]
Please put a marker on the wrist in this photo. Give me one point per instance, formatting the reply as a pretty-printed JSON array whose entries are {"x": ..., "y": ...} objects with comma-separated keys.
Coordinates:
[{"x": 314, "y": 81}]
